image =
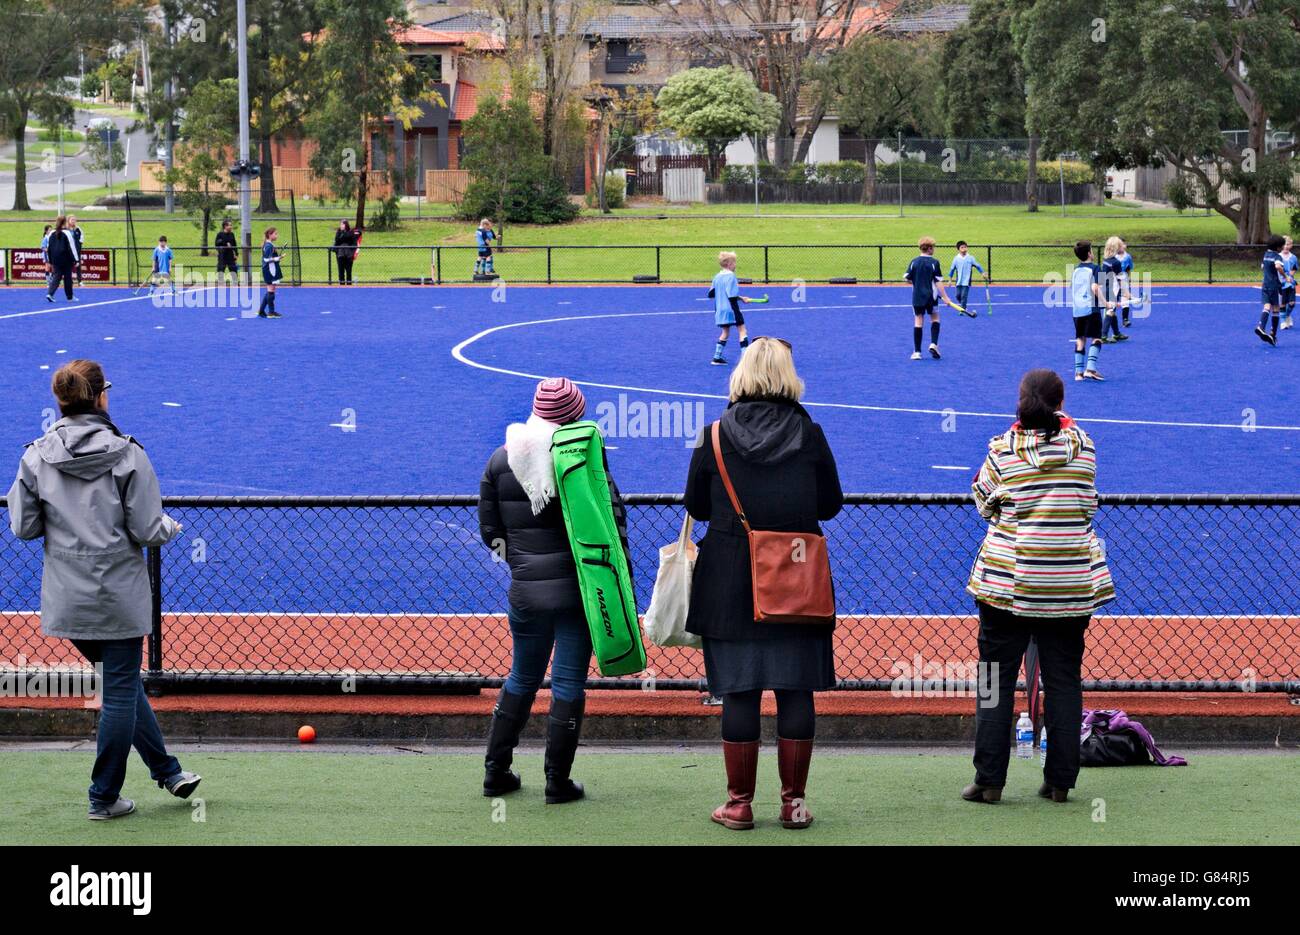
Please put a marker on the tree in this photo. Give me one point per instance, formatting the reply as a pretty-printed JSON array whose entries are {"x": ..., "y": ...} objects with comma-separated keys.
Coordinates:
[
  {"x": 283, "y": 83},
  {"x": 711, "y": 107},
  {"x": 104, "y": 154},
  {"x": 622, "y": 118},
  {"x": 38, "y": 48},
  {"x": 511, "y": 178},
  {"x": 208, "y": 136},
  {"x": 982, "y": 90},
  {"x": 370, "y": 76},
  {"x": 1145, "y": 82},
  {"x": 777, "y": 42},
  {"x": 878, "y": 86}
]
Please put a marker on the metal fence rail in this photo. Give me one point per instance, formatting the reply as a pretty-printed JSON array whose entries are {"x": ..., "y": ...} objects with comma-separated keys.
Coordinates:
[
  {"x": 398, "y": 594},
  {"x": 773, "y": 264}
]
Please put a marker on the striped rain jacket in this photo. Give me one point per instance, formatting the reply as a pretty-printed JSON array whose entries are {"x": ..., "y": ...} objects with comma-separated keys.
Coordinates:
[{"x": 1040, "y": 556}]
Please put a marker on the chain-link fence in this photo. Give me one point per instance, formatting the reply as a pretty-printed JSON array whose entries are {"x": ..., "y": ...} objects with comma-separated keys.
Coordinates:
[
  {"x": 774, "y": 264},
  {"x": 399, "y": 594}
]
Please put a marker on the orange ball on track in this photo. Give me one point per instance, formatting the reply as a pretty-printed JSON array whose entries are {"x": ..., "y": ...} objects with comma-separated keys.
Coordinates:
[{"x": 306, "y": 733}]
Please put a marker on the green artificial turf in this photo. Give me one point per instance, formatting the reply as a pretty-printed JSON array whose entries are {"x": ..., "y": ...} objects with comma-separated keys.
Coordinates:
[{"x": 314, "y": 796}]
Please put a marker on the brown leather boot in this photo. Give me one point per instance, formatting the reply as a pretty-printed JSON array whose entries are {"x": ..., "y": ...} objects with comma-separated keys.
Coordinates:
[
  {"x": 1049, "y": 791},
  {"x": 977, "y": 793},
  {"x": 741, "y": 760},
  {"x": 792, "y": 760}
]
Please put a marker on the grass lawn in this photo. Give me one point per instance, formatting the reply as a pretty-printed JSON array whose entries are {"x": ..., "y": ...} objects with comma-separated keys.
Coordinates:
[
  {"x": 313, "y": 796},
  {"x": 833, "y": 236}
]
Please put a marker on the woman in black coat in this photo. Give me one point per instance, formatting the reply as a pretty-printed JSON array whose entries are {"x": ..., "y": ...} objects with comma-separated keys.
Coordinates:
[
  {"x": 520, "y": 520},
  {"x": 785, "y": 478},
  {"x": 345, "y": 250},
  {"x": 63, "y": 259}
]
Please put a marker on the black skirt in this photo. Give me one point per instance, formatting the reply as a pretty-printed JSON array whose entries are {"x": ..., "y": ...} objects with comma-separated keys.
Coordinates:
[{"x": 793, "y": 663}]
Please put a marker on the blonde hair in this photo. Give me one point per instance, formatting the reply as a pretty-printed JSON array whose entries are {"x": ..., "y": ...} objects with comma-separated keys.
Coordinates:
[
  {"x": 766, "y": 368},
  {"x": 725, "y": 257},
  {"x": 926, "y": 244},
  {"x": 1112, "y": 246}
]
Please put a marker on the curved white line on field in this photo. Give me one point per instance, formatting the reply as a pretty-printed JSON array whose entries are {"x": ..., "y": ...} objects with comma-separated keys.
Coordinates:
[{"x": 458, "y": 352}]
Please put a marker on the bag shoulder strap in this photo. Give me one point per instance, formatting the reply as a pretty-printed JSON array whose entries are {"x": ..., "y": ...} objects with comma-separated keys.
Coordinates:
[{"x": 726, "y": 477}]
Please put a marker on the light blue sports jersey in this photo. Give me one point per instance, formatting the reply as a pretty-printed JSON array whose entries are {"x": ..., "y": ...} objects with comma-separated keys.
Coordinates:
[
  {"x": 45, "y": 248},
  {"x": 1125, "y": 264},
  {"x": 162, "y": 259},
  {"x": 1082, "y": 279},
  {"x": 1289, "y": 262},
  {"x": 960, "y": 270},
  {"x": 725, "y": 287}
]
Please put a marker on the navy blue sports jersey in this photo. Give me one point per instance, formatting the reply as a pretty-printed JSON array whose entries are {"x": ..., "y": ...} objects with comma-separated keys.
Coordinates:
[
  {"x": 1112, "y": 269},
  {"x": 923, "y": 272},
  {"x": 1272, "y": 278}
]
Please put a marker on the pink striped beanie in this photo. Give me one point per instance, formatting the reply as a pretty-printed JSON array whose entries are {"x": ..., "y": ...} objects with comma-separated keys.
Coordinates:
[{"x": 558, "y": 400}]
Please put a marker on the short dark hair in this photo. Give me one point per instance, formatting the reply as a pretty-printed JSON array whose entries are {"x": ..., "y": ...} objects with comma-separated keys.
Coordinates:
[
  {"x": 225, "y": 222},
  {"x": 162, "y": 238},
  {"x": 962, "y": 243},
  {"x": 1276, "y": 242},
  {"x": 1082, "y": 248}
]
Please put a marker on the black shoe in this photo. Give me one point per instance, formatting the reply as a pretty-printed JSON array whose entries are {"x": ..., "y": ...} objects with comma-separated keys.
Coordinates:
[
  {"x": 1128, "y": 323},
  {"x": 508, "y": 719},
  {"x": 273, "y": 314},
  {"x": 1121, "y": 337},
  {"x": 563, "y": 729},
  {"x": 261, "y": 314},
  {"x": 1265, "y": 336},
  {"x": 716, "y": 361}
]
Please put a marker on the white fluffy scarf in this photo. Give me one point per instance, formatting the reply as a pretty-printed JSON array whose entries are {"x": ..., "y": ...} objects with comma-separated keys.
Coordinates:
[{"x": 528, "y": 452}]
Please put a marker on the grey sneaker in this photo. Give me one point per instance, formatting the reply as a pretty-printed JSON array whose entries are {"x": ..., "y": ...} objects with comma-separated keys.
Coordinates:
[
  {"x": 116, "y": 810},
  {"x": 182, "y": 785}
]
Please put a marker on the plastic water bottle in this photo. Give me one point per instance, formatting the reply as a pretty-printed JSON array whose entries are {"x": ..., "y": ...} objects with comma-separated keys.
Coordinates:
[
  {"x": 1025, "y": 737},
  {"x": 1042, "y": 747}
]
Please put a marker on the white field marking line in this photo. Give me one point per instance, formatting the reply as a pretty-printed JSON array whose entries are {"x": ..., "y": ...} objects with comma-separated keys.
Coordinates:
[
  {"x": 78, "y": 306},
  {"x": 458, "y": 353},
  {"x": 949, "y": 467}
]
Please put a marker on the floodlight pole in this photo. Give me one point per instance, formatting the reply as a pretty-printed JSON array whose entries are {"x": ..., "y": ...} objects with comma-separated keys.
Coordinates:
[{"x": 245, "y": 183}]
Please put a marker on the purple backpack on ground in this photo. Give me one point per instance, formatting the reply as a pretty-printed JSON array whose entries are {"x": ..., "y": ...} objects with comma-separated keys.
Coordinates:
[{"x": 1110, "y": 738}]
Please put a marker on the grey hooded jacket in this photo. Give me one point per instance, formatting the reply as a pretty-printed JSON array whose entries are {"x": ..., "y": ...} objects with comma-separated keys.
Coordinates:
[{"x": 92, "y": 493}]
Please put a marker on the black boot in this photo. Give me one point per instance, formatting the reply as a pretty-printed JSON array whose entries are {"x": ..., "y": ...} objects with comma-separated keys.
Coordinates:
[
  {"x": 563, "y": 729},
  {"x": 508, "y": 720}
]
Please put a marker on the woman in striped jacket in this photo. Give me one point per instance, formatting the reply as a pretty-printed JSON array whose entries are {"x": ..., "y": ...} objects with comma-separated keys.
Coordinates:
[{"x": 1040, "y": 573}]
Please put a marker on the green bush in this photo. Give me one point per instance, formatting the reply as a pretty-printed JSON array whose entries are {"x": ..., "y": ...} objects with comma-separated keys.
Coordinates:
[
  {"x": 534, "y": 198},
  {"x": 388, "y": 214},
  {"x": 615, "y": 192}
]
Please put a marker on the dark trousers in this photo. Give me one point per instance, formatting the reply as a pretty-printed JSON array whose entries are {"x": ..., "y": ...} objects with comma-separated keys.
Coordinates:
[
  {"x": 126, "y": 720},
  {"x": 1003, "y": 638},
  {"x": 61, "y": 274},
  {"x": 345, "y": 269},
  {"x": 534, "y": 637}
]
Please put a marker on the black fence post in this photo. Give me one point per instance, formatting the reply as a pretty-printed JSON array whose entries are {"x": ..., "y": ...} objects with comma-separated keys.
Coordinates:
[
  {"x": 767, "y": 278},
  {"x": 657, "y": 270},
  {"x": 155, "y": 588},
  {"x": 988, "y": 262},
  {"x": 548, "y": 265},
  {"x": 880, "y": 264},
  {"x": 1209, "y": 259}
]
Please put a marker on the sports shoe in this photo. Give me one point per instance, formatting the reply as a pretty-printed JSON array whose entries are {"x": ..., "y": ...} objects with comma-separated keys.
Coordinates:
[
  {"x": 116, "y": 810},
  {"x": 182, "y": 785},
  {"x": 1265, "y": 336},
  {"x": 1078, "y": 378},
  {"x": 1093, "y": 375},
  {"x": 968, "y": 313},
  {"x": 934, "y": 351},
  {"x": 916, "y": 355},
  {"x": 719, "y": 361},
  {"x": 1109, "y": 339},
  {"x": 1121, "y": 337},
  {"x": 50, "y": 299},
  {"x": 274, "y": 314}
]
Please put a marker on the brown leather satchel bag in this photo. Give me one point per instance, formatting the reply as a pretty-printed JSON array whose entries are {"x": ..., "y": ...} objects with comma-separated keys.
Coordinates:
[{"x": 791, "y": 571}]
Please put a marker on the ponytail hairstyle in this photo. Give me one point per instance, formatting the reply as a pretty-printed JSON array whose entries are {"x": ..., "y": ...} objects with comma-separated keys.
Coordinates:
[
  {"x": 60, "y": 223},
  {"x": 1041, "y": 396},
  {"x": 77, "y": 386}
]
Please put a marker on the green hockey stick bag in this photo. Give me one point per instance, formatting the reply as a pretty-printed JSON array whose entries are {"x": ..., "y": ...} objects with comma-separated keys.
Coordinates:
[{"x": 603, "y": 576}]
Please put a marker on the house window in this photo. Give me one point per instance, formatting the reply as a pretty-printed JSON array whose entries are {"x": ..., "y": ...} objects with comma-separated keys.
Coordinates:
[
  {"x": 429, "y": 65},
  {"x": 622, "y": 57}
]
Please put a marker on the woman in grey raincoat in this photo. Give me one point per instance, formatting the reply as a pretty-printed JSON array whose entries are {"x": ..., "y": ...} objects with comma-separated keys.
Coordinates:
[{"x": 92, "y": 494}]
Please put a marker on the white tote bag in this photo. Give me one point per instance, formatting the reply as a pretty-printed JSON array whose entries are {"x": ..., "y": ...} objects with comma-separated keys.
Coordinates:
[{"x": 665, "y": 621}]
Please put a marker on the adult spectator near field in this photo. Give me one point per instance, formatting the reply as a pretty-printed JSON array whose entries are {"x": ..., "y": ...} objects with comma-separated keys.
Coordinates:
[
  {"x": 520, "y": 519},
  {"x": 63, "y": 257},
  {"x": 785, "y": 479},
  {"x": 76, "y": 238},
  {"x": 345, "y": 250},
  {"x": 91, "y": 493},
  {"x": 1040, "y": 573},
  {"x": 227, "y": 256}
]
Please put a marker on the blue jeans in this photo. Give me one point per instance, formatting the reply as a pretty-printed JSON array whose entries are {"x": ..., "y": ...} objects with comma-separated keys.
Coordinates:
[
  {"x": 535, "y": 636},
  {"x": 126, "y": 720},
  {"x": 963, "y": 293}
]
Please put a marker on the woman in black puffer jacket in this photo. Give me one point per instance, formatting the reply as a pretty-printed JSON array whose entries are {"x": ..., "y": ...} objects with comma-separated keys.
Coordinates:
[
  {"x": 785, "y": 478},
  {"x": 520, "y": 520}
]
